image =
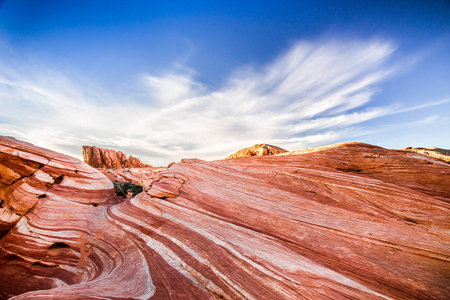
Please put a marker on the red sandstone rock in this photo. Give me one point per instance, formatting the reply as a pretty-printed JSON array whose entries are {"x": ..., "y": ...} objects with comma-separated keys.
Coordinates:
[
  {"x": 163, "y": 190},
  {"x": 140, "y": 176},
  {"x": 354, "y": 221},
  {"x": 110, "y": 159},
  {"x": 64, "y": 243},
  {"x": 257, "y": 150}
]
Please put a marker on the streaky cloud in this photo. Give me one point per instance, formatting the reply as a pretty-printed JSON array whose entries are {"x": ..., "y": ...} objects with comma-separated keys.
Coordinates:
[{"x": 314, "y": 93}]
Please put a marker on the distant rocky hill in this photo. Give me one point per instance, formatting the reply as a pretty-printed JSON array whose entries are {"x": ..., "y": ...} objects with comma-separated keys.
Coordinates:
[
  {"x": 439, "y": 153},
  {"x": 110, "y": 159},
  {"x": 257, "y": 150}
]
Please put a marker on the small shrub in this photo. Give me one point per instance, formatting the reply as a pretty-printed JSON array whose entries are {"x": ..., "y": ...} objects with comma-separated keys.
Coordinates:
[{"x": 122, "y": 188}]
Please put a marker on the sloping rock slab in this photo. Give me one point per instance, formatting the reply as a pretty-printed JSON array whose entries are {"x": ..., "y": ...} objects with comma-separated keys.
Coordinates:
[{"x": 354, "y": 221}]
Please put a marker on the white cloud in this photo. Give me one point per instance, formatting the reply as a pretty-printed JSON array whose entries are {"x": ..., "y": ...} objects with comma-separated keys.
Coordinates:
[
  {"x": 315, "y": 93},
  {"x": 171, "y": 88}
]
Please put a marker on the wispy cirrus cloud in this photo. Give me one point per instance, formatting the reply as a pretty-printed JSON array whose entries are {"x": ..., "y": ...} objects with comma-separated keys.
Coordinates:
[{"x": 314, "y": 93}]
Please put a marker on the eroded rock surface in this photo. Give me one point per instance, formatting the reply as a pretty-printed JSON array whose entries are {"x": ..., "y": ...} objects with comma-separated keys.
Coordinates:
[
  {"x": 140, "y": 176},
  {"x": 354, "y": 221},
  {"x": 110, "y": 159},
  {"x": 439, "y": 153},
  {"x": 257, "y": 150}
]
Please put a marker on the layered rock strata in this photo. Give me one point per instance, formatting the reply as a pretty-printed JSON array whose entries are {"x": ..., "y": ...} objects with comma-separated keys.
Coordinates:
[
  {"x": 354, "y": 221},
  {"x": 257, "y": 150},
  {"x": 110, "y": 159},
  {"x": 140, "y": 176}
]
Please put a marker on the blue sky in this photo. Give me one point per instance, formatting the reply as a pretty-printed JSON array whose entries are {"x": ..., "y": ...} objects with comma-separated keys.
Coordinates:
[{"x": 165, "y": 80}]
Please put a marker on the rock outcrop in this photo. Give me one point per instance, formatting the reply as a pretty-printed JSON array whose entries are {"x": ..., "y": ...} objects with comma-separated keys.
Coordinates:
[
  {"x": 257, "y": 150},
  {"x": 353, "y": 221},
  {"x": 140, "y": 176},
  {"x": 110, "y": 159},
  {"x": 443, "y": 154}
]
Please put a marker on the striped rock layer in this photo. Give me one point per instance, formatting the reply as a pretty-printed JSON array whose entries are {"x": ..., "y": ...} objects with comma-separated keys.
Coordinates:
[
  {"x": 140, "y": 176},
  {"x": 350, "y": 222}
]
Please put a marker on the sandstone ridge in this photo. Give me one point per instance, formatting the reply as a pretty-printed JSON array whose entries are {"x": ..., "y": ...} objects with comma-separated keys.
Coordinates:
[
  {"x": 110, "y": 159},
  {"x": 353, "y": 221},
  {"x": 439, "y": 153},
  {"x": 257, "y": 150}
]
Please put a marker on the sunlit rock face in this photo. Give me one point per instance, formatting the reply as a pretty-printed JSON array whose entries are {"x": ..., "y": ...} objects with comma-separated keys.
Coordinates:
[
  {"x": 443, "y": 154},
  {"x": 353, "y": 221},
  {"x": 257, "y": 150},
  {"x": 110, "y": 159},
  {"x": 140, "y": 176}
]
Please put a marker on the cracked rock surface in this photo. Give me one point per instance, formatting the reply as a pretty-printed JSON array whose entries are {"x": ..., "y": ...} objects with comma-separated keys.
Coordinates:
[{"x": 351, "y": 221}]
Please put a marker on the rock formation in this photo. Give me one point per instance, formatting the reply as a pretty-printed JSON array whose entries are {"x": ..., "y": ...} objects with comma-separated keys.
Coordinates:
[
  {"x": 443, "y": 154},
  {"x": 110, "y": 159},
  {"x": 257, "y": 150},
  {"x": 352, "y": 221},
  {"x": 140, "y": 176},
  {"x": 321, "y": 148}
]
